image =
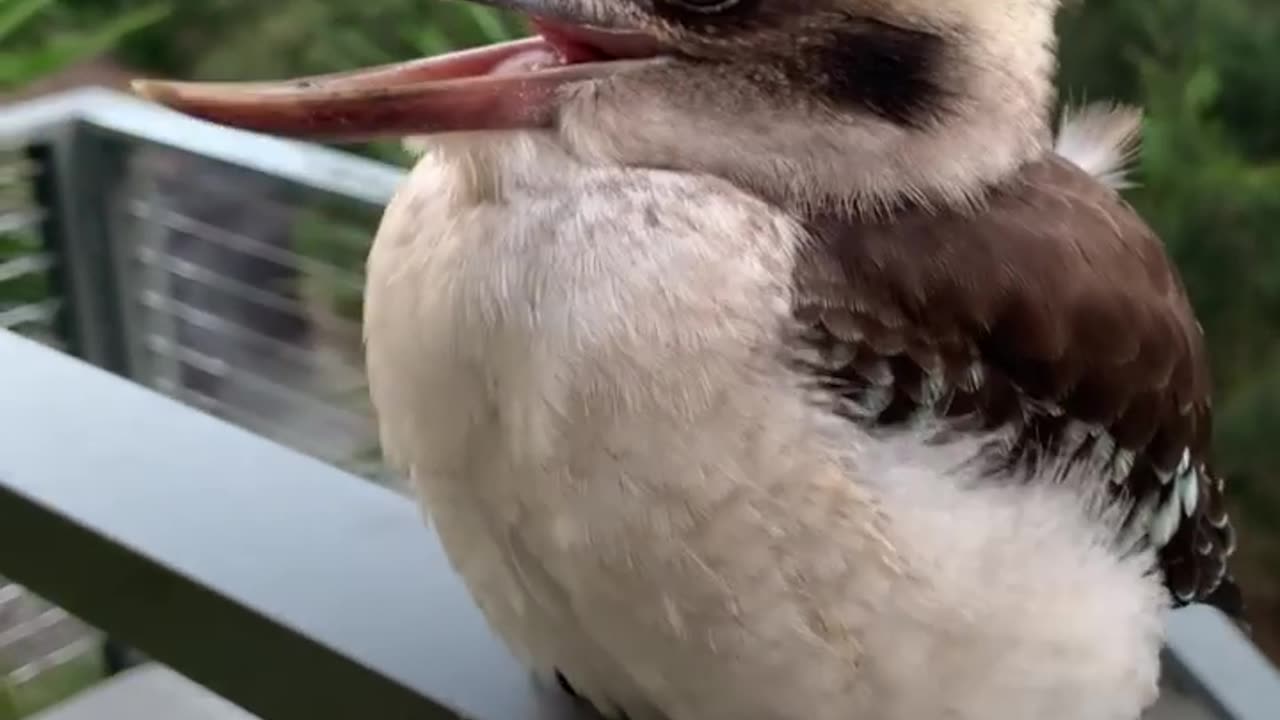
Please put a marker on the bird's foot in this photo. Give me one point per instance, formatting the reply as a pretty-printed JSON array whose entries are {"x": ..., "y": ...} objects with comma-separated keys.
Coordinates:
[
  {"x": 610, "y": 712},
  {"x": 566, "y": 686}
]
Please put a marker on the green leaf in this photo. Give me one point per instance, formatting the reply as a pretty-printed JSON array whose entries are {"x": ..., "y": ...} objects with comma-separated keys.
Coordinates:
[
  {"x": 17, "y": 68},
  {"x": 1202, "y": 89},
  {"x": 16, "y": 13},
  {"x": 487, "y": 22}
]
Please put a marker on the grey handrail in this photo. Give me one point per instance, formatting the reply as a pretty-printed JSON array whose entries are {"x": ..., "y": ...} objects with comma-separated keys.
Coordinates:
[{"x": 279, "y": 582}]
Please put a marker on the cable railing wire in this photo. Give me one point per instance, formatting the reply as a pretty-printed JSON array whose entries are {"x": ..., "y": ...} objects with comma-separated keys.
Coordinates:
[
  {"x": 41, "y": 315},
  {"x": 9, "y": 594},
  {"x": 178, "y": 222},
  {"x": 34, "y": 264},
  {"x": 25, "y": 265},
  {"x": 208, "y": 340},
  {"x": 31, "y": 628},
  {"x": 33, "y": 634},
  {"x": 247, "y": 419},
  {"x": 74, "y": 651},
  {"x": 162, "y": 304},
  {"x": 221, "y": 367},
  {"x": 195, "y": 272},
  {"x": 13, "y": 220},
  {"x": 18, "y": 172}
]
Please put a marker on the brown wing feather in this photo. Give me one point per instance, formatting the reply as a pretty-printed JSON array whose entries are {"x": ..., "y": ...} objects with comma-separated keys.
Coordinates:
[{"x": 1054, "y": 311}]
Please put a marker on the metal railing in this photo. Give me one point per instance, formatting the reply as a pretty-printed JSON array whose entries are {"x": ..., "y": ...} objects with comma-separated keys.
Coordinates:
[
  {"x": 208, "y": 278},
  {"x": 125, "y": 243},
  {"x": 217, "y": 267}
]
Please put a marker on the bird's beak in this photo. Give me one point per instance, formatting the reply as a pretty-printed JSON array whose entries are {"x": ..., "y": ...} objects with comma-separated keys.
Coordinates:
[{"x": 505, "y": 86}]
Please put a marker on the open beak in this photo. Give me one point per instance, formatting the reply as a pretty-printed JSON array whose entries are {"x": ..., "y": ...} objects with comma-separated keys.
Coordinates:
[{"x": 505, "y": 86}]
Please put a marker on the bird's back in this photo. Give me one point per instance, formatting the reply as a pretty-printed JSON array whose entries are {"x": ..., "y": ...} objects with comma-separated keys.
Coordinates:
[{"x": 1051, "y": 313}]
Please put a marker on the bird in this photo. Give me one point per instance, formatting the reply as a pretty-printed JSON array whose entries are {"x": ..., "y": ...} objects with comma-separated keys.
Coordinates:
[{"x": 779, "y": 359}]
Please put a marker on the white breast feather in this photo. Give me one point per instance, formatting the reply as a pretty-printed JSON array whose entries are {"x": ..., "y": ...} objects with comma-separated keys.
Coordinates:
[{"x": 581, "y": 370}]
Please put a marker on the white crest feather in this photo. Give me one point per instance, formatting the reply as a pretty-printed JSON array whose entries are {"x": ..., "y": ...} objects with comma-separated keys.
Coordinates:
[{"x": 1103, "y": 139}]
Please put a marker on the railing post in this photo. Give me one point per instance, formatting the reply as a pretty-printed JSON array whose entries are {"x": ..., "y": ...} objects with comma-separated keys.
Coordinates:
[
  {"x": 79, "y": 178},
  {"x": 79, "y": 181}
]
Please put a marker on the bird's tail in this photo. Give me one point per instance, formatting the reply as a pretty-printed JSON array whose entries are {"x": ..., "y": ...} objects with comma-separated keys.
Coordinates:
[{"x": 1103, "y": 139}]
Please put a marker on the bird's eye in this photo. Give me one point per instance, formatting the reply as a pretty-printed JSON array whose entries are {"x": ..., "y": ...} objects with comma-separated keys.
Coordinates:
[{"x": 705, "y": 7}]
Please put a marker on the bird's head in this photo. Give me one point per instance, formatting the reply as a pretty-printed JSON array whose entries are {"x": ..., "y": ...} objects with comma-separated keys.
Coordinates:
[{"x": 807, "y": 102}]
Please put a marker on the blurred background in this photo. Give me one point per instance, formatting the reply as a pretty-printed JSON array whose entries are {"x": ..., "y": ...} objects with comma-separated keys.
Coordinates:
[{"x": 242, "y": 293}]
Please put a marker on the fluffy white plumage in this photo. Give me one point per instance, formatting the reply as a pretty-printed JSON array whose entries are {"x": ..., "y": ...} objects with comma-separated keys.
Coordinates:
[
  {"x": 1103, "y": 139},
  {"x": 638, "y": 492}
]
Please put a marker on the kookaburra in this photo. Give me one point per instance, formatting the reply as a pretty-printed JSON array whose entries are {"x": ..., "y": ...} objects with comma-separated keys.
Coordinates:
[{"x": 767, "y": 359}]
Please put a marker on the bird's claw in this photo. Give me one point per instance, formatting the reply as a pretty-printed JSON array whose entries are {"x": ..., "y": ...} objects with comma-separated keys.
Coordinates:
[{"x": 612, "y": 713}]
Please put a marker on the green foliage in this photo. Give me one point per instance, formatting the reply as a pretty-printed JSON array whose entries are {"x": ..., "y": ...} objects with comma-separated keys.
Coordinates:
[
  {"x": 51, "y": 44},
  {"x": 1210, "y": 174},
  {"x": 227, "y": 39},
  {"x": 236, "y": 38},
  {"x": 1210, "y": 177}
]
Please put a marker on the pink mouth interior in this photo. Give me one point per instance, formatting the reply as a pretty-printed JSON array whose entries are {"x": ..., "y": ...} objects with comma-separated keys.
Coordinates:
[{"x": 565, "y": 44}]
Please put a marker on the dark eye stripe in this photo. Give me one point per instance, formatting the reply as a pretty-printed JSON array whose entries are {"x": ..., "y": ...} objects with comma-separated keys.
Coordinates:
[{"x": 890, "y": 71}]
